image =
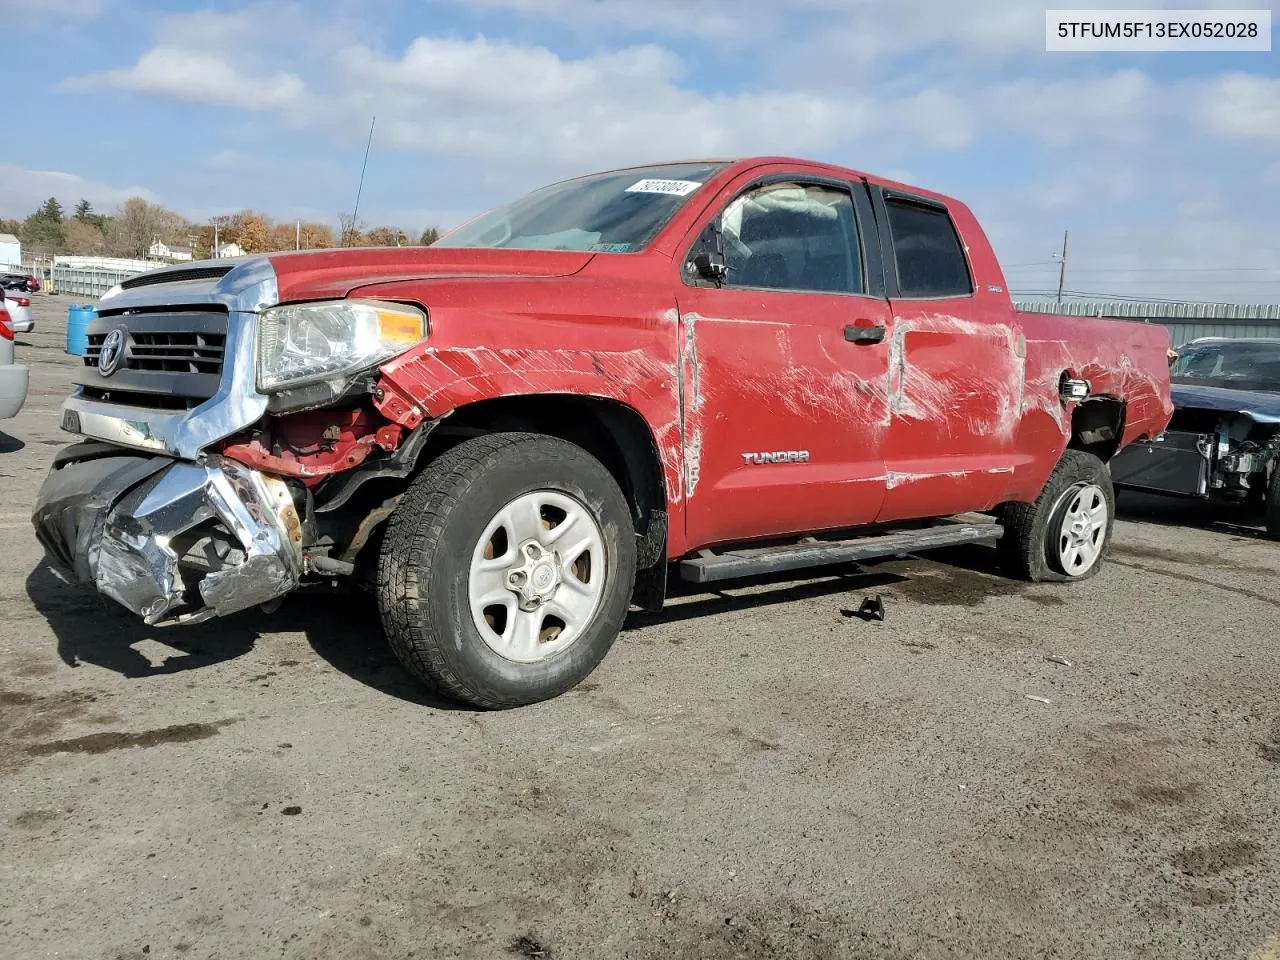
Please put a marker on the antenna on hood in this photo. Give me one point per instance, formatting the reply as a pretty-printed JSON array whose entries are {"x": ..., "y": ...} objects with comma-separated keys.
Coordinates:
[{"x": 355, "y": 212}]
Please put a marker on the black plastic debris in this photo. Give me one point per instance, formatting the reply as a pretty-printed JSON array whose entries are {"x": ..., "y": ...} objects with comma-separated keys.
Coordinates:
[
  {"x": 872, "y": 609},
  {"x": 528, "y": 947}
]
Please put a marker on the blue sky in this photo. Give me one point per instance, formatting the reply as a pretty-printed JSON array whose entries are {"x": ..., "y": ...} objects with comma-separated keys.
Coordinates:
[{"x": 1165, "y": 167}]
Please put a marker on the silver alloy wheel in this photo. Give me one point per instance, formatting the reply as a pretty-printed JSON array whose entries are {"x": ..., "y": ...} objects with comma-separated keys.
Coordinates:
[
  {"x": 537, "y": 576},
  {"x": 1082, "y": 531}
]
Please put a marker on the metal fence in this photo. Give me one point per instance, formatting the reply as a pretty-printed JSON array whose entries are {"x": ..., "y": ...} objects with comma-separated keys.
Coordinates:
[
  {"x": 91, "y": 277},
  {"x": 1184, "y": 321}
]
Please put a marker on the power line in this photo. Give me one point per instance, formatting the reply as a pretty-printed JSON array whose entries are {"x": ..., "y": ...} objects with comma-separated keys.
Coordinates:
[
  {"x": 1115, "y": 297},
  {"x": 1178, "y": 270}
]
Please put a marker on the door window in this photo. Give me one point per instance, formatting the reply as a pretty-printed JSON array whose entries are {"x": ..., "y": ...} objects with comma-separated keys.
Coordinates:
[
  {"x": 927, "y": 251},
  {"x": 793, "y": 236}
]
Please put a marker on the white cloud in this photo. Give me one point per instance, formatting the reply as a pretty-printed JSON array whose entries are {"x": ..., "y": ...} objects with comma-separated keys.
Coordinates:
[
  {"x": 1242, "y": 105},
  {"x": 195, "y": 76},
  {"x": 861, "y": 25},
  {"x": 521, "y": 105},
  {"x": 1118, "y": 107},
  {"x": 701, "y": 20},
  {"x": 1138, "y": 162},
  {"x": 24, "y": 190}
]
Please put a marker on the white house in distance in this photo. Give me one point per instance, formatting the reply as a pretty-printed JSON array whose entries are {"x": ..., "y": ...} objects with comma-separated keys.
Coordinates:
[
  {"x": 231, "y": 250},
  {"x": 10, "y": 251},
  {"x": 162, "y": 251}
]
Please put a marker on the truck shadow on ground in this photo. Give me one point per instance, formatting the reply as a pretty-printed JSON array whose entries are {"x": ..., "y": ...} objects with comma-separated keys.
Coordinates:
[
  {"x": 692, "y": 601},
  {"x": 1234, "y": 519},
  {"x": 342, "y": 630}
]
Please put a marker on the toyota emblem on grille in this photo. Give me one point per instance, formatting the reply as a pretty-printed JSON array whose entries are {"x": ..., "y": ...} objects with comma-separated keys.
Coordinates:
[{"x": 112, "y": 352}]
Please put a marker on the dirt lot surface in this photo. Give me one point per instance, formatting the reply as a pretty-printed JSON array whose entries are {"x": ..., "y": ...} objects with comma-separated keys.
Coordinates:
[{"x": 754, "y": 773}]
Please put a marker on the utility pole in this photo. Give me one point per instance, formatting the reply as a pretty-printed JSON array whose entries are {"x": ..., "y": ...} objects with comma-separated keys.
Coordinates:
[
  {"x": 215, "y": 239},
  {"x": 297, "y": 237},
  {"x": 1062, "y": 266}
]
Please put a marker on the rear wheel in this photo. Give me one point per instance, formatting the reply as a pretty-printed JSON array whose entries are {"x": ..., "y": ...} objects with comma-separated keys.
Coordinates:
[
  {"x": 1066, "y": 532},
  {"x": 507, "y": 570}
]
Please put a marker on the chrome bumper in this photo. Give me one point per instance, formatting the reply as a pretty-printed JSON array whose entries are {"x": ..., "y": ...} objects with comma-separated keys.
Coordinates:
[{"x": 175, "y": 542}]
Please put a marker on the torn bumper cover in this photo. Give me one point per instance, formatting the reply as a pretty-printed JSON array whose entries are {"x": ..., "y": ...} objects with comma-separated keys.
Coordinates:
[{"x": 174, "y": 541}]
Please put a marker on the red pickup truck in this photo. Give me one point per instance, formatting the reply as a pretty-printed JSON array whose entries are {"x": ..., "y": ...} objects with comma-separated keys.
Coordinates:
[{"x": 733, "y": 367}]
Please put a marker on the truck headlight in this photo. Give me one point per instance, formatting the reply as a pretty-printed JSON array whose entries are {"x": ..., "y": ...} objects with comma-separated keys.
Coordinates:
[{"x": 309, "y": 342}]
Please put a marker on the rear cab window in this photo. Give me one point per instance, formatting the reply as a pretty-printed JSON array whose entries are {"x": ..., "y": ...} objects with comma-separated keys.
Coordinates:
[{"x": 927, "y": 252}]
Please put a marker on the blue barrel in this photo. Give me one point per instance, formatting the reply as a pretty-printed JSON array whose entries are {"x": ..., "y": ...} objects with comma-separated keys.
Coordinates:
[{"x": 78, "y": 319}]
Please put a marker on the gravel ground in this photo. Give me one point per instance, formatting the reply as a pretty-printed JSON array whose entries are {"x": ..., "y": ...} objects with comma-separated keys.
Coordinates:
[{"x": 754, "y": 773}]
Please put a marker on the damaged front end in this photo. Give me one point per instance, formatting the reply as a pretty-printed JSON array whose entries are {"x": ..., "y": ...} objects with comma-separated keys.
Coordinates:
[
  {"x": 1205, "y": 453},
  {"x": 174, "y": 542},
  {"x": 210, "y": 414},
  {"x": 1223, "y": 442}
]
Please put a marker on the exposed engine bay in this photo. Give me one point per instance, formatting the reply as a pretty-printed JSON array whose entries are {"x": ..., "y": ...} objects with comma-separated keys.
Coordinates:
[{"x": 1223, "y": 441}]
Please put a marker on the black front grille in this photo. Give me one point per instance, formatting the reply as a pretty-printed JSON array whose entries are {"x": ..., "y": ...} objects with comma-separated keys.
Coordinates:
[
  {"x": 172, "y": 358},
  {"x": 172, "y": 352}
]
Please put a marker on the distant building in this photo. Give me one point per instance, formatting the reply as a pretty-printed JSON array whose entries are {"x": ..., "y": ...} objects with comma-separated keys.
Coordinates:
[
  {"x": 1184, "y": 321},
  {"x": 231, "y": 250},
  {"x": 162, "y": 251},
  {"x": 10, "y": 251}
]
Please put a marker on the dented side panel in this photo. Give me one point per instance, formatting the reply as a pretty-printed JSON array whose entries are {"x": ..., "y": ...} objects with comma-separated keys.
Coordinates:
[
  {"x": 955, "y": 403},
  {"x": 784, "y": 418},
  {"x": 615, "y": 338},
  {"x": 1123, "y": 360}
]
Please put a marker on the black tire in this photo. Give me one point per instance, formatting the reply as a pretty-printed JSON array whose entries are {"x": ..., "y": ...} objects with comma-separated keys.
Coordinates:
[
  {"x": 1027, "y": 549},
  {"x": 424, "y": 567},
  {"x": 1272, "y": 515}
]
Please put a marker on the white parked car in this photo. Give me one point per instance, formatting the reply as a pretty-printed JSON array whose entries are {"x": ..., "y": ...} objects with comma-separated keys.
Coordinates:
[
  {"x": 13, "y": 378},
  {"x": 19, "y": 308}
]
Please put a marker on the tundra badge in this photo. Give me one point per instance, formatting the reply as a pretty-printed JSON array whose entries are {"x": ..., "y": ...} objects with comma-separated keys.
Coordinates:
[{"x": 780, "y": 456}]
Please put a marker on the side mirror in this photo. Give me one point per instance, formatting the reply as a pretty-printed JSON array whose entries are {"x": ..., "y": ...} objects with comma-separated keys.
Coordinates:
[{"x": 709, "y": 266}]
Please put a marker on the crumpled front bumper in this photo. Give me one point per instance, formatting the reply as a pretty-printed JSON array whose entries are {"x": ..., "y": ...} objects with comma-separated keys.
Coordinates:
[{"x": 174, "y": 541}]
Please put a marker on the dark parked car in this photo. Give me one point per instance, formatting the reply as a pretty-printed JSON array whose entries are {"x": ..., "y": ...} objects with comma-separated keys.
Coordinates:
[
  {"x": 1223, "y": 442},
  {"x": 20, "y": 282}
]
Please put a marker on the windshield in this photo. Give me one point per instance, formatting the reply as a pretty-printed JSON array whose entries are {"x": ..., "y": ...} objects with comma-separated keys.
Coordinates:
[
  {"x": 1240, "y": 365},
  {"x": 617, "y": 212}
]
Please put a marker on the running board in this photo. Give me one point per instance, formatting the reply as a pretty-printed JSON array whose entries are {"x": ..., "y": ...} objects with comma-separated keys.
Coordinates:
[{"x": 748, "y": 562}]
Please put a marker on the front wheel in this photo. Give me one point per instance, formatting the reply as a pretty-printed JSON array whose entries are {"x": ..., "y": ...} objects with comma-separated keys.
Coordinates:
[
  {"x": 507, "y": 570},
  {"x": 1066, "y": 533}
]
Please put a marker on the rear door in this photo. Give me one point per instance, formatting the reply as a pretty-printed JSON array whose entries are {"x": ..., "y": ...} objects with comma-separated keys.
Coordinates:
[
  {"x": 956, "y": 370},
  {"x": 784, "y": 363}
]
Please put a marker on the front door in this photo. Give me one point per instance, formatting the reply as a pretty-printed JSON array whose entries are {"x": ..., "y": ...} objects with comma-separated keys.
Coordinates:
[{"x": 784, "y": 368}]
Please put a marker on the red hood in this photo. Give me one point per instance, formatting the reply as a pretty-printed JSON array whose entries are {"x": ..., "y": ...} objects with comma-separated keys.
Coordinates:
[{"x": 320, "y": 274}]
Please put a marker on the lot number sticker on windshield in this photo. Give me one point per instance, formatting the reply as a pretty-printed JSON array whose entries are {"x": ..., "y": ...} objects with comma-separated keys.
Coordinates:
[{"x": 674, "y": 188}]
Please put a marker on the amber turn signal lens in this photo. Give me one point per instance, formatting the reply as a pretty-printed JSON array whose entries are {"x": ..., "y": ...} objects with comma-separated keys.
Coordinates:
[{"x": 397, "y": 327}]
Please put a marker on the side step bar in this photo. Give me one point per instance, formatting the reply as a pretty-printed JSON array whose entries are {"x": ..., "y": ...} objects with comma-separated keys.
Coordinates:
[{"x": 754, "y": 561}]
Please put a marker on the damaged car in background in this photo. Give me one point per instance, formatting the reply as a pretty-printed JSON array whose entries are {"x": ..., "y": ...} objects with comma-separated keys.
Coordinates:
[{"x": 1223, "y": 442}]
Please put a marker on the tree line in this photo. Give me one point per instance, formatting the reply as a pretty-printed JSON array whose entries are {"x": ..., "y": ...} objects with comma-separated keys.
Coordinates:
[{"x": 135, "y": 226}]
